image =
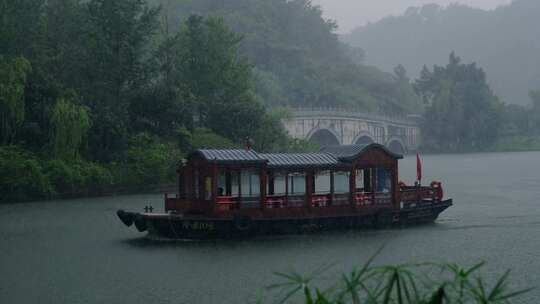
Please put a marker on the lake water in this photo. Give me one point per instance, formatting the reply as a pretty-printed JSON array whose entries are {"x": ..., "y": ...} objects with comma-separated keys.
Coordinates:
[{"x": 77, "y": 251}]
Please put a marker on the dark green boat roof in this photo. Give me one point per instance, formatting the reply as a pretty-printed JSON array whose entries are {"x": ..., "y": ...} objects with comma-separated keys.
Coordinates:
[{"x": 333, "y": 156}]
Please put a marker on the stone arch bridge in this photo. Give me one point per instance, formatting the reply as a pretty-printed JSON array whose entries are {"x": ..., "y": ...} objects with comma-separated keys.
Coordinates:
[{"x": 327, "y": 127}]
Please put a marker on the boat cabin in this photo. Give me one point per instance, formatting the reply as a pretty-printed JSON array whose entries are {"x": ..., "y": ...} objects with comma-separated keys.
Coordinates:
[{"x": 237, "y": 181}]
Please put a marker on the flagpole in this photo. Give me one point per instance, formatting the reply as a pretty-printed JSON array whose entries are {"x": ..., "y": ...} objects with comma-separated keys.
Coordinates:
[{"x": 418, "y": 169}]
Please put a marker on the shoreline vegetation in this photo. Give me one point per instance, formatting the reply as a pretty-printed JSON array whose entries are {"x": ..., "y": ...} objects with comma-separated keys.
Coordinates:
[
  {"x": 421, "y": 283},
  {"x": 79, "y": 187},
  {"x": 505, "y": 144},
  {"x": 98, "y": 95}
]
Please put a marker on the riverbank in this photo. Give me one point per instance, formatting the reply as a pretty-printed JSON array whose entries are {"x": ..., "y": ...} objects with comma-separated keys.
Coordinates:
[
  {"x": 102, "y": 192},
  {"x": 503, "y": 144},
  {"x": 25, "y": 176},
  {"x": 517, "y": 144}
]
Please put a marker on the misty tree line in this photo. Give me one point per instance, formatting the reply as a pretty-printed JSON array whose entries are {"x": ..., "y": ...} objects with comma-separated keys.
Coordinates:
[
  {"x": 504, "y": 41},
  {"x": 463, "y": 114},
  {"x": 298, "y": 58}
]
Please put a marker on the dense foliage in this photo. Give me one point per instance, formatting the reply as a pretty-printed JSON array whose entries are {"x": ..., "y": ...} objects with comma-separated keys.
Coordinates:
[
  {"x": 462, "y": 113},
  {"x": 520, "y": 129},
  {"x": 426, "y": 283},
  {"x": 94, "y": 95},
  {"x": 13, "y": 75},
  {"x": 504, "y": 41},
  {"x": 113, "y": 93}
]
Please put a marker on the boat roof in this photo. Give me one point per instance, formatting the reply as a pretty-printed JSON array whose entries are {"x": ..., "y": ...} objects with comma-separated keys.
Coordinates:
[
  {"x": 301, "y": 160},
  {"x": 328, "y": 157},
  {"x": 229, "y": 155},
  {"x": 350, "y": 152}
]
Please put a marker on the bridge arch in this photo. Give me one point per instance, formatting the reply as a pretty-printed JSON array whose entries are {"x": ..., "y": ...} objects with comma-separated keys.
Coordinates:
[
  {"x": 350, "y": 127},
  {"x": 396, "y": 145},
  {"x": 363, "y": 138},
  {"x": 324, "y": 137}
]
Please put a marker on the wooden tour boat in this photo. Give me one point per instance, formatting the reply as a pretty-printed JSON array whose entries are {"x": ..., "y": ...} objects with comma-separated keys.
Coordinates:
[{"x": 239, "y": 193}]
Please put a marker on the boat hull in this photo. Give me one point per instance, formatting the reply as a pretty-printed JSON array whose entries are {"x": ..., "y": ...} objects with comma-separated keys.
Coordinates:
[{"x": 175, "y": 226}]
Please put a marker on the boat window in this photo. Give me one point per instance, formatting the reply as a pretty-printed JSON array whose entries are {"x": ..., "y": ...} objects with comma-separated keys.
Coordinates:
[
  {"x": 384, "y": 182},
  {"x": 359, "y": 180},
  {"x": 363, "y": 180},
  {"x": 368, "y": 179},
  {"x": 250, "y": 183},
  {"x": 276, "y": 184},
  {"x": 341, "y": 182},
  {"x": 322, "y": 182},
  {"x": 234, "y": 180},
  {"x": 222, "y": 184},
  {"x": 297, "y": 183}
]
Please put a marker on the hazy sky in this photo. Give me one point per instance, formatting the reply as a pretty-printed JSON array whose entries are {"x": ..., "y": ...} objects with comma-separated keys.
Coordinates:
[{"x": 352, "y": 13}]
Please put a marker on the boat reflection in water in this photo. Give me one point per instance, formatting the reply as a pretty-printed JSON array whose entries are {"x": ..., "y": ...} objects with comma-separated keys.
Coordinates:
[{"x": 242, "y": 193}]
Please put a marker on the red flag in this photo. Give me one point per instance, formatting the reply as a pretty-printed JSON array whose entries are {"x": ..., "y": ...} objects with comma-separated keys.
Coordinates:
[{"x": 418, "y": 167}]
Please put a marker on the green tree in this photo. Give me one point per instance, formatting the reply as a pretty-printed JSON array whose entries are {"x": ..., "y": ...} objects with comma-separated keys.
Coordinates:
[
  {"x": 462, "y": 113},
  {"x": 407, "y": 99},
  {"x": 70, "y": 123},
  {"x": 117, "y": 42},
  {"x": 217, "y": 81},
  {"x": 21, "y": 176},
  {"x": 13, "y": 74},
  {"x": 64, "y": 44},
  {"x": 272, "y": 136},
  {"x": 202, "y": 138}
]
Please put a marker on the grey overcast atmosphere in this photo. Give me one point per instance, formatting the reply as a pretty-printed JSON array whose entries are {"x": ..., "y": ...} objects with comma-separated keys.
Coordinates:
[{"x": 352, "y": 13}]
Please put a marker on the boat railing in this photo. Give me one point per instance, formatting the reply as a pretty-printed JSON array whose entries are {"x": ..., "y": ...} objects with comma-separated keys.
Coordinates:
[
  {"x": 340, "y": 199},
  {"x": 249, "y": 202},
  {"x": 181, "y": 204},
  {"x": 370, "y": 199},
  {"x": 226, "y": 203},
  {"x": 321, "y": 200},
  {"x": 360, "y": 199},
  {"x": 363, "y": 199},
  {"x": 327, "y": 200},
  {"x": 297, "y": 201},
  {"x": 383, "y": 198},
  {"x": 274, "y": 201},
  {"x": 412, "y": 193},
  {"x": 412, "y": 196}
]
